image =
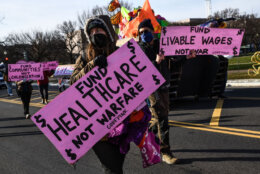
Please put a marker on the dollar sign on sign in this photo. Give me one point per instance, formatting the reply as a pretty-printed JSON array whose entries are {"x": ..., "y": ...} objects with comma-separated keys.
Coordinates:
[{"x": 235, "y": 50}]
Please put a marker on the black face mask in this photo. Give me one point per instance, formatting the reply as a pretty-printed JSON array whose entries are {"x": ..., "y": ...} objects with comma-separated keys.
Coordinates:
[{"x": 98, "y": 40}]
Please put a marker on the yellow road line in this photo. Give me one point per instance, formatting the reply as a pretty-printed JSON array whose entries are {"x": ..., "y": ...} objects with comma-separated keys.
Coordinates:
[
  {"x": 18, "y": 98},
  {"x": 41, "y": 97},
  {"x": 244, "y": 98},
  {"x": 215, "y": 127},
  {"x": 215, "y": 130},
  {"x": 33, "y": 94},
  {"x": 10, "y": 101},
  {"x": 217, "y": 113},
  {"x": 56, "y": 92},
  {"x": 39, "y": 105},
  {"x": 20, "y": 102}
]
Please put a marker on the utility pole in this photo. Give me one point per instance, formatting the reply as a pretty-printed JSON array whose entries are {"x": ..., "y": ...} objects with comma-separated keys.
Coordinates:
[{"x": 208, "y": 8}]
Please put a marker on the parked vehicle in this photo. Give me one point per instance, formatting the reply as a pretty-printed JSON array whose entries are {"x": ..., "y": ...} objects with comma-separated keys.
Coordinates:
[{"x": 2, "y": 82}]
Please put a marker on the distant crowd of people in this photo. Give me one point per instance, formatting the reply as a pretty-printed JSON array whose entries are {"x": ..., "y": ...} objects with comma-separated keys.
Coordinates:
[{"x": 24, "y": 88}]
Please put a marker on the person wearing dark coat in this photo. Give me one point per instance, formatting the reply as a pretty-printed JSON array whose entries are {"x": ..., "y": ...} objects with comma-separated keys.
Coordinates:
[
  {"x": 102, "y": 43},
  {"x": 24, "y": 90},
  {"x": 44, "y": 86},
  {"x": 159, "y": 100}
]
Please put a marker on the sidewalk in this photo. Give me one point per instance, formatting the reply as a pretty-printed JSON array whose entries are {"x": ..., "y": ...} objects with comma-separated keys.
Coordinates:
[{"x": 244, "y": 83}]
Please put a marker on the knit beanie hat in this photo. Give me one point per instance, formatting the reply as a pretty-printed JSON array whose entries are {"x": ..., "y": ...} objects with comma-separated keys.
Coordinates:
[
  {"x": 101, "y": 21},
  {"x": 146, "y": 23},
  {"x": 96, "y": 24}
]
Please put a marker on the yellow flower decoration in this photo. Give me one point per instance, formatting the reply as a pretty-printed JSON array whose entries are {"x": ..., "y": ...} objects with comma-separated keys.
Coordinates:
[{"x": 255, "y": 70}]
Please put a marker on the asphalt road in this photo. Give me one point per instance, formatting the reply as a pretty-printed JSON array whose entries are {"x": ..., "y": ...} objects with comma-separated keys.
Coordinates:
[{"x": 208, "y": 136}]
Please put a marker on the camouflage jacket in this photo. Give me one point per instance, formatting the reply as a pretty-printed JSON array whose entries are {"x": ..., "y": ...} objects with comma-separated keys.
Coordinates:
[{"x": 81, "y": 68}]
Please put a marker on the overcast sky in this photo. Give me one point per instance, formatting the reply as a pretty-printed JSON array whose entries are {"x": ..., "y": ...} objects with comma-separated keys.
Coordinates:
[{"x": 27, "y": 15}]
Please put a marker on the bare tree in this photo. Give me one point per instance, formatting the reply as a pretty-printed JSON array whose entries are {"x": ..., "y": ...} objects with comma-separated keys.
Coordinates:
[
  {"x": 227, "y": 13},
  {"x": 38, "y": 42},
  {"x": 58, "y": 48},
  {"x": 85, "y": 15},
  {"x": 45, "y": 46},
  {"x": 126, "y": 4},
  {"x": 82, "y": 18},
  {"x": 16, "y": 46},
  {"x": 72, "y": 39},
  {"x": 38, "y": 46},
  {"x": 248, "y": 22},
  {"x": 63, "y": 44},
  {"x": 99, "y": 11}
]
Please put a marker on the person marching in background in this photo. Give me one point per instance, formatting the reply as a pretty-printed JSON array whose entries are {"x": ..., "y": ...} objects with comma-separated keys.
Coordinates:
[
  {"x": 44, "y": 86},
  {"x": 159, "y": 100},
  {"x": 24, "y": 91},
  {"x": 112, "y": 149},
  {"x": 9, "y": 84}
]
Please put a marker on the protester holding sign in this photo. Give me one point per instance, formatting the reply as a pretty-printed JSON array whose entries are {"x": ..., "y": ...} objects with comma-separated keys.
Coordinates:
[
  {"x": 44, "y": 85},
  {"x": 112, "y": 148},
  {"x": 159, "y": 100},
  {"x": 8, "y": 83},
  {"x": 24, "y": 90},
  {"x": 27, "y": 70},
  {"x": 23, "y": 73}
]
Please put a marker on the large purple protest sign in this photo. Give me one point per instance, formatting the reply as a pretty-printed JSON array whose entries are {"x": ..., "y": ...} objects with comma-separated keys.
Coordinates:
[
  {"x": 83, "y": 114},
  {"x": 179, "y": 40},
  {"x": 27, "y": 71}
]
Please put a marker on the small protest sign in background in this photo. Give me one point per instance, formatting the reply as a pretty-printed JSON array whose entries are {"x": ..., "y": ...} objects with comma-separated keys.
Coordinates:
[
  {"x": 83, "y": 114},
  {"x": 27, "y": 71},
  {"x": 179, "y": 40},
  {"x": 45, "y": 66},
  {"x": 64, "y": 70},
  {"x": 52, "y": 65}
]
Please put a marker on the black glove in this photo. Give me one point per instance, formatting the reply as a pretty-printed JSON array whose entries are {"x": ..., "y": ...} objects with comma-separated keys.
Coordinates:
[{"x": 100, "y": 61}]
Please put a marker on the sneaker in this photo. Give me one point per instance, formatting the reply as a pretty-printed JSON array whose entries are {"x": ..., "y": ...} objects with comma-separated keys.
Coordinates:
[
  {"x": 27, "y": 116},
  {"x": 43, "y": 101},
  {"x": 168, "y": 158},
  {"x": 46, "y": 101}
]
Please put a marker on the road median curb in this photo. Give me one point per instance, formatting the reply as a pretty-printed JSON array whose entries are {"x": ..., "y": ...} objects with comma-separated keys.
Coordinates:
[{"x": 244, "y": 83}]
